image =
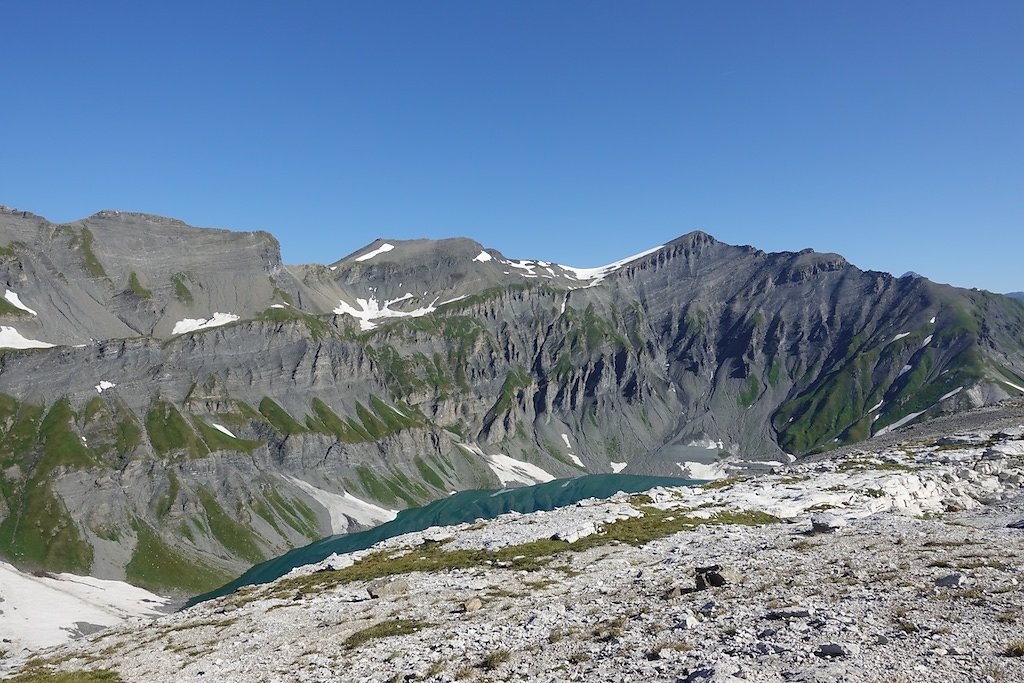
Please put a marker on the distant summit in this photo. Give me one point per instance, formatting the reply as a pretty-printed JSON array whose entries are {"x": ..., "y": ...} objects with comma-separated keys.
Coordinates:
[{"x": 1015, "y": 295}]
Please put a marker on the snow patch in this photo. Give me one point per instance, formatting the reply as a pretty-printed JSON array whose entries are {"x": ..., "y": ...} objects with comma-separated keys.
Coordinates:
[
  {"x": 483, "y": 256},
  {"x": 617, "y": 466},
  {"x": 700, "y": 470},
  {"x": 345, "y": 508},
  {"x": 927, "y": 341},
  {"x": 276, "y": 305},
  {"x": 222, "y": 428},
  {"x": 898, "y": 423},
  {"x": 509, "y": 470},
  {"x": 596, "y": 275},
  {"x": 193, "y": 324},
  {"x": 10, "y": 338},
  {"x": 1015, "y": 386},
  {"x": 899, "y": 336},
  {"x": 904, "y": 370},
  {"x": 370, "y": 310},
  {"x": 932, "y": 321},
  {"x": 16, "y": 302},
  {"x": 950, "y": 394},
  {"x": 42, "y": 611},
  {"x": 382, "y": 249},
  {"x": 103, "y": 386}
]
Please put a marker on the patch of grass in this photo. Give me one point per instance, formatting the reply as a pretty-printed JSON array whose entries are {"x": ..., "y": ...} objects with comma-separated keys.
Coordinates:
[
  {"x": 750, "y": 393},
  {"x": 90, "y": 262},
  {"x": 494, "y": 659},
  {"x": 317, "y": 327},
  {"x": 181, "y": 290},
  {"x": 169, "y": 432},
  {"x": 157, "y": 566},
  {"x": 1014, "y": 649},
  {"x": 428, "y": 474},
  {"x": 219, "y": 441},
  {"x": 234, "y": 536},
  {"x": 385, "y": 629},
  {"x": 279, "y": 418},
  {"x": 136, "y": 287}
]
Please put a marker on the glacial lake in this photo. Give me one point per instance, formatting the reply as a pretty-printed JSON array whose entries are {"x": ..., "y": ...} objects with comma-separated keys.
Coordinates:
[{"x": 465, "y": 506}]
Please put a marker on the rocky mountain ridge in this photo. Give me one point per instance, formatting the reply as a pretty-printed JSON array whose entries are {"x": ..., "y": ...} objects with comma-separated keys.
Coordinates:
[{"x": 192, "y": 405}]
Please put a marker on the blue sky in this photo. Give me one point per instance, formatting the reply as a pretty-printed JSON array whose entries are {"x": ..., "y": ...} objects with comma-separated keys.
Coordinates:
[{"x": 577, "y": 132}]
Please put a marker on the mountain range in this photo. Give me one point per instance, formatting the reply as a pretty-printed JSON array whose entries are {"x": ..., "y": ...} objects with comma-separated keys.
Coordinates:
[{"x": 176, "y": 403}]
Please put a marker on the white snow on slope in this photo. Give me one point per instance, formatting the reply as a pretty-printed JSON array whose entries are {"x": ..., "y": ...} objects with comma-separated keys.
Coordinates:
[
  {"x": 343, "y": 507},
  {"x": 370, "y": 310},
  {"x": 482, "y": 257},
  {"x": 193, "y": 324},
  {"x": 509, "y": 470},
  {"x": 10, "y": 338},
  {"x": 599, "y": 273},
  {"x": 932, "y": 321},
  {"x": 1015, "y": 386},
  {"x": 40, "y": 611},
  {"x": 384, "y": 248},
  {"x": 876, "y": 406},
  {"x": 927, "y": 341},
  {"x": 700, "y": 470},
  {"x": 16, "y": 302},
  {"x": 572, "y": 456},
  {"x": 617, "y": 466},
  {"x": 223, "y": 429},
  {"x": 899, "y": 336},
  {"x": 951, "y": 394},
  {"x": 898, "y": 423},
  {"x": 103, "y": 386},
  {"x": 904, "y": 370}
]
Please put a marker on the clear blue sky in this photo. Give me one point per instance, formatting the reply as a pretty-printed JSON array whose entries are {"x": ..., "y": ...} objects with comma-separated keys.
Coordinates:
[{"x": 578, "y": 132}]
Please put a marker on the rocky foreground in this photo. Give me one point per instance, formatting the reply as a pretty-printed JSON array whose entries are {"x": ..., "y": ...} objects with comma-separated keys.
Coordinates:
[{"x": 899, "y": 564}]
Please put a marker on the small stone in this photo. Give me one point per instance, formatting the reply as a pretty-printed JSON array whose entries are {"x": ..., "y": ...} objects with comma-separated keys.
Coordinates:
[
  {"x": 838, "y": 650},
  {"x": 790, "y": 613},
  {"x": 387, "y": 588},
  {"x": 715, "y": 576},
  {"x": 826, "y": 524},
  {"x": 472, "y": 605},
  {"x": 950, "y": 581}
]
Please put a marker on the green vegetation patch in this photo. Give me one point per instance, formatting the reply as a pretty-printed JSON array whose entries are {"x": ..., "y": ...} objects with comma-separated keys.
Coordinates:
[
  {"x": 318, "y": 328},
  {"x": 62, "y": 445},
  {"x": 170, "y": 432},
  {"x": 157, "y": 566},
  {"x": 279, "y": 418},
  {"x": 385, "y": 629},
  {"x": 219, "y": 441},
  {"x": 137, "y": 288},
  {"x": 234, "y": 536},
  {"x": 90, "y": 262},
  {"x": 181, "y": 290}
]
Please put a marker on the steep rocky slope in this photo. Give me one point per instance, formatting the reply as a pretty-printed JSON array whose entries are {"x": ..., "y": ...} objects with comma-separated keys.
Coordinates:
[
  {"x": 188, "y": 405},
  {"x": 895, "y": 564}
]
